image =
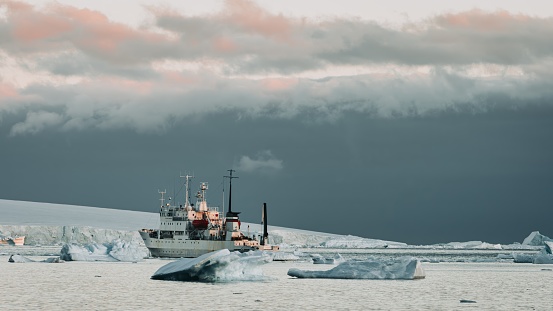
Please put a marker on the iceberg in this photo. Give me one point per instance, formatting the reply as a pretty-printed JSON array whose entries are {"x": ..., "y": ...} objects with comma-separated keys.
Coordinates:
[
  {"x": 536, "y": 239},
  {"x": 217, "y": 266},
  {"x": 403, "y": 268},
  {"x": 117, "y": 250}
]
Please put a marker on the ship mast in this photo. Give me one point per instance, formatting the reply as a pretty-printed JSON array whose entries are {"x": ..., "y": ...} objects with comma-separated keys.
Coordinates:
[
  {"x": 187, "y": 199},
  {"x": 230, "y": 213}
]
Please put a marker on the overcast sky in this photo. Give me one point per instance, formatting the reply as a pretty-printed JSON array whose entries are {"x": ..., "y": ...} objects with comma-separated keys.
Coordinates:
[{"x": 421, "y": 122}]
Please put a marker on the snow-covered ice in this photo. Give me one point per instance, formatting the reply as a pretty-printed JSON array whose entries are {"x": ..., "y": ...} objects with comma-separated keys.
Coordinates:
[
  {"x": 218, "y": 266},
  {"x": 117, "y": 250},
  {"x": 405, "y": 268}
]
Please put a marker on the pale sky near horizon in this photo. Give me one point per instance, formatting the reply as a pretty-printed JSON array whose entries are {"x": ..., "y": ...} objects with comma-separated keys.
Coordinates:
[{"x": 420, "y": 118}]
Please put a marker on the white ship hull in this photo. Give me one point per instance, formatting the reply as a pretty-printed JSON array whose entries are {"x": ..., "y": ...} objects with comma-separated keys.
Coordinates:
[{"x": 175, "y": 248}]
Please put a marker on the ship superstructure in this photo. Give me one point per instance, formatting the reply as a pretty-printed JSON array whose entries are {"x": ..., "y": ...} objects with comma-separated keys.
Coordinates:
[{"x": 191, "y": 230}]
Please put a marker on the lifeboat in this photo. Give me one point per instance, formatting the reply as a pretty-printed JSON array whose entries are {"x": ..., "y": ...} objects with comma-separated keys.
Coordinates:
[{"x": 200, "y": 223}]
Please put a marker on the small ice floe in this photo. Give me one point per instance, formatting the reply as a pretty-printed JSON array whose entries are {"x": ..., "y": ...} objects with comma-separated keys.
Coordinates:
[
  {"x": 22, "y": 259},
  {"x": 404, "y": 268},
  {"x": 117, "y": 250},
  {"x": 318, "y": 259},
  {"x": 218, "y": 266},
  {"x": 284, "y": 256},
  {"x": 466, "y": 301}
]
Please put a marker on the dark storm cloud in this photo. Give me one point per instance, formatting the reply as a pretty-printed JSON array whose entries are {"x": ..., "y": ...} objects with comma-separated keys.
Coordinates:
[{"x": 422, "y": 179}]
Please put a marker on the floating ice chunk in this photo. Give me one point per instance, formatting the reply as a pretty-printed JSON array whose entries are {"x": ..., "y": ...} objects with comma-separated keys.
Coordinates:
[
  {"x": 406, "y": 268},
  {"x": 22, "y": 259},
  {"x": 218, "y": 266},
  {"x": 19, "y": 259},
  {"x": 115, "y": 251}
]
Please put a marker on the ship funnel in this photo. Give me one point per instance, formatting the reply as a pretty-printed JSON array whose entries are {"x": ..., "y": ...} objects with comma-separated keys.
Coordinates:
[{"x": 265, "y": 238}]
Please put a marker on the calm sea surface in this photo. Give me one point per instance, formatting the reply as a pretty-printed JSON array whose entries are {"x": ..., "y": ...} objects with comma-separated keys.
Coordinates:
[{"x": 127, "y": 286}]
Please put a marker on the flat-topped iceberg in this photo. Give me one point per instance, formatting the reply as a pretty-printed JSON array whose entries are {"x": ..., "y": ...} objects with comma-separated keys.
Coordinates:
[
  {"x": 351, "y": 241},
  {"x": 117, "y": 250},
  {"x": 403, "y": 268},
  {"x": 472, "y": 245},
  {"x": 218, "y": 266}
]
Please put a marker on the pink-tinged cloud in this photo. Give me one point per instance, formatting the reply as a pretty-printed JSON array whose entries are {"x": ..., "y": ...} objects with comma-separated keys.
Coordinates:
[
  {"x": 7, "y": 91},
  {"x": 177, "y": 78},
  {"x": 60, "y": 26},
  {"x": 128, "y": 85},
  {"x": 279, "y": 84},
  {"x": 224, "y": 45},
  {"x": 250, "y": 17},
  {"x": 482, "y": 21}
]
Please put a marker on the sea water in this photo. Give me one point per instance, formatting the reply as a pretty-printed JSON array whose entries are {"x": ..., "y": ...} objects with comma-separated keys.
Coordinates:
[{"x": 127, "y": 286}]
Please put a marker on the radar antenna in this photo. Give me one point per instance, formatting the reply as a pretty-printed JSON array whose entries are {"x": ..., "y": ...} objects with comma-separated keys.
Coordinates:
[{"x": 162, "y": 193}]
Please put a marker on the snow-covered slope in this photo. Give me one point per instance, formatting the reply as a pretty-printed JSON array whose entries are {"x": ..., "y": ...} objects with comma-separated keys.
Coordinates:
[
  {"x": 47, "y": 214},
  {"x": 53, "y": 224}
]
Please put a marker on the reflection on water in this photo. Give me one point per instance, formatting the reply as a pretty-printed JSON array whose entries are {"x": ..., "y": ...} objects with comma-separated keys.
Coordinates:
[{"x": 127, "y": 286}]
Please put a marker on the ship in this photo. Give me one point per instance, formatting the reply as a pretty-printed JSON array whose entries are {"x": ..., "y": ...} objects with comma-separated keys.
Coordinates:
[
  {"x": 18, "y": 241},
  {"x": 191, "y": 230}
]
